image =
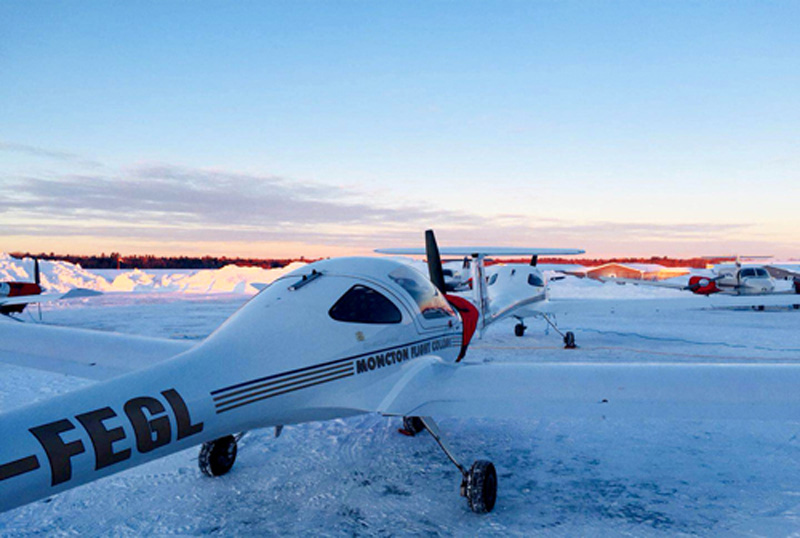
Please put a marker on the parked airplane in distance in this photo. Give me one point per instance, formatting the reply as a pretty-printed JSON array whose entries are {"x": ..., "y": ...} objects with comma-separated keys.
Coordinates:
[
  {"x": 729, "y": 279},
  {"x": 502, "y": 290}
]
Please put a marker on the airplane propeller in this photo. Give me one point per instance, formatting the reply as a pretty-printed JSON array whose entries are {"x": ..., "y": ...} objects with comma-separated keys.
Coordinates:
[
  {"x": 36, "y": 276},
  {"x": 705, "y": 281},
  {"x": 434, "y": 261}
]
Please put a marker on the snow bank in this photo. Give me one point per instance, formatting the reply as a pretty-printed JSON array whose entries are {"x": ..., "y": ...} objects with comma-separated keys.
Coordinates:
[
  {"x": 63, "y": 276},
  {"x": 55, "y": 275}
]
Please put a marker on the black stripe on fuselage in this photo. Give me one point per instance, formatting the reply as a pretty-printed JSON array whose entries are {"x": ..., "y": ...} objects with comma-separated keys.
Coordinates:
[
  {"x": 294, "y": 388},
  {"x": 18, "y": 467},
  {"x": 329, "y": 363},
  {"x": 283, "y": 379},
  {"x": 282, "y": 384}
]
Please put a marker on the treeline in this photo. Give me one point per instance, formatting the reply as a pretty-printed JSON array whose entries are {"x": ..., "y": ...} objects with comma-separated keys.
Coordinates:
[{"x": 117, "y": 261}]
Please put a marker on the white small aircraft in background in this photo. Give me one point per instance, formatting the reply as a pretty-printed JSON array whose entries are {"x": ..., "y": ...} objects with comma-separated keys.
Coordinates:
[
  {"x": 15, "y": 296},
  {"x": 500, "y": 291},
  {"x": 336, "y": 338}
]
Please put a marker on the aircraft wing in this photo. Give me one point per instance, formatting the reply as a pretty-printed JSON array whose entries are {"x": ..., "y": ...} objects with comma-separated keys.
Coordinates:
[
  {"x": 75, "y": 293},
  {"x": 485, "y": 251},
  {"x": 761, "y": 391},
  {"x": 640, "y": 282},
  {"x": 83, "y": 353},
  {"x": 780, "y": 272}
]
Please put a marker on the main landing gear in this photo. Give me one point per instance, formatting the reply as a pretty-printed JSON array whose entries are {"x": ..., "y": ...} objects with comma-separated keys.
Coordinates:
[
  {"x": 478, "y": 484},
  {"x": 218, "y": 456},
  {"x": 568, "y": 337}
]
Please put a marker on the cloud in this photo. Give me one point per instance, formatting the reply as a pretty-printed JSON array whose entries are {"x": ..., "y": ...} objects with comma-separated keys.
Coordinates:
[
  {"x": 160, "y": 203},
  {"x": 199, "y": 204},
  {"x": 47, "y": 153}
]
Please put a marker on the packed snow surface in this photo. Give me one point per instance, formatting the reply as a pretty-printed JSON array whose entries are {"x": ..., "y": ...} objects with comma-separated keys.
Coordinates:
[{"x": 578, "y": 477}]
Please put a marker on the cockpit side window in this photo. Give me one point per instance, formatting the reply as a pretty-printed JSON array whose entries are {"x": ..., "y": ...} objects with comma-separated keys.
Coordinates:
[
  {"x": 762, "y": 273},
  {"x": 748, "y": 272},
  {"x": 535, "y": 280},
  {"x": 431, "y": 303},
  {"x": 492, "y": 279},
  {"x": 364, "y": 305}
]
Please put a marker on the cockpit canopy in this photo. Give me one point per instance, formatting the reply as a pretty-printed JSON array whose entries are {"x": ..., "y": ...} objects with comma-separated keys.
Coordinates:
[
  {"x": 431, "y": 303},
  {"x": 754, "y": 272}
]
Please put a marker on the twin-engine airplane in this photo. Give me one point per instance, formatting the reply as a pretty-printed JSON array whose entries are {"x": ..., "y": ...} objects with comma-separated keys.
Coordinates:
[
  {"x": 730, "y": 279},
  {"x": 336, "y": 338},
  {"x": 15, "y": 296}
]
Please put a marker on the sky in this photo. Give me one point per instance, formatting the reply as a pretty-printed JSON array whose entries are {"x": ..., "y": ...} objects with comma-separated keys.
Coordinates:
[{"x": 314, "y": 128}]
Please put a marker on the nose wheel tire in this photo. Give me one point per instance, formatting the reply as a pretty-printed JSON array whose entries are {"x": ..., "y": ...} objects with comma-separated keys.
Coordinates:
[
  {"x": 480, "y": 487},
  {"x": 569, "y": 340},
  {"x": 218, "y": 456},
  {"x": 519, "y": 329}
]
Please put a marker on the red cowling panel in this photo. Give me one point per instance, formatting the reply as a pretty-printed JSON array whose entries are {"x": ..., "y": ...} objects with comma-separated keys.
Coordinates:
[
  {"x": 469, "y": 318},
  {"x": 18, "y": 289},
  {"x": 703, "y": 289}
]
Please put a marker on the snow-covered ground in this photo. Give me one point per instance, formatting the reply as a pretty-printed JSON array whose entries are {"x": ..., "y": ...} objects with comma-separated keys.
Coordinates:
[{"x": 359, "y": 477}]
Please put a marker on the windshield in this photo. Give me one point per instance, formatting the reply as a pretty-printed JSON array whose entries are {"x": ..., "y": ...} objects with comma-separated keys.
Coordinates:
[
  {"x": 762, "y": 273},
  {"x": 430, "y": 301},
  {"x": 535, "y": 280}
]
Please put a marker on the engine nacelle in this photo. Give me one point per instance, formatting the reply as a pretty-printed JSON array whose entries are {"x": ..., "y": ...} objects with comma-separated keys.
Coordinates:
[{"x": 703, "y": 286}]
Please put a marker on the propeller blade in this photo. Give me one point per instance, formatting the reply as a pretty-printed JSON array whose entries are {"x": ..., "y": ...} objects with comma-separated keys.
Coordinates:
[
  {"x": 434, "y": 261},
  {"x": 36, "y": 277}
]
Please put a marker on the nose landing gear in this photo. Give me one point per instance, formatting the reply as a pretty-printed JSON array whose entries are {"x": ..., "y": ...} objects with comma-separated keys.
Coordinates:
[{"x": 478, "y": 484}]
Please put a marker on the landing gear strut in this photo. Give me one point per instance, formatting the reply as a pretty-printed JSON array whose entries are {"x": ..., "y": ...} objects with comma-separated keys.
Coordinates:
[
  {"x": 218, "y": 456},
  {"x": 569, "y": 336},
  {"x": 478, "y": 484}
]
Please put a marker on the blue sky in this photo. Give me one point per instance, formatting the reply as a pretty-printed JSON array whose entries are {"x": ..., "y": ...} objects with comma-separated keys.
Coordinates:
[{"x": 317, "y": 128}]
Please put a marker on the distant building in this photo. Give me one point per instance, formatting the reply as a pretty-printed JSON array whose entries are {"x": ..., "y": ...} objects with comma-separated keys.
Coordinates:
[{"x": 640, "y": 271}]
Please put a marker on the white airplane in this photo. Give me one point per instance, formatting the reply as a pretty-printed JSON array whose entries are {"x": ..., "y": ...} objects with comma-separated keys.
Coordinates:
[
  {"x": 502, "y": 290},
  {"x": 336, "y": 338}
]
